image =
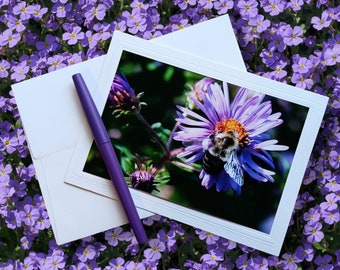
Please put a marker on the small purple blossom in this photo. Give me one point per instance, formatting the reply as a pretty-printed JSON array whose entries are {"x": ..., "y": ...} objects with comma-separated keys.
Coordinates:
[
  {"x": 73, "y": 35},
  {"x": 313, "y": 232},
  {"x": 154, "y": 252}
]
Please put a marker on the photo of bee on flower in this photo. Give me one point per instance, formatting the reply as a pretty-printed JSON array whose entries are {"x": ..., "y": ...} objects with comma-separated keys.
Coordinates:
[{"x": 199, "y": 142}]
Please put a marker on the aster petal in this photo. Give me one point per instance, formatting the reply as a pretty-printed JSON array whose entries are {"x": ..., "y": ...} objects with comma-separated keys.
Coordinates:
[
  {"x": 190, "y": 134},
  {"x": 239, "y": 100},
  {"x": 271, "y": 145},
  {"x": 188, "y": 113},
  {"x": 217, "y": 98},
  {"x": 255, "y": 171},
  {"x": 247, "y": 109},
  {"x": 263, "y": 156},
  {"x": 261, "y": 113},
  {"x": 265, "y": 126},
  {"x": 222, "y": 181}
]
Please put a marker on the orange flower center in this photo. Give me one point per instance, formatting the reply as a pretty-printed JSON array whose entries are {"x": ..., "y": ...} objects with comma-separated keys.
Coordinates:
[{"x": 232, "y": 125}]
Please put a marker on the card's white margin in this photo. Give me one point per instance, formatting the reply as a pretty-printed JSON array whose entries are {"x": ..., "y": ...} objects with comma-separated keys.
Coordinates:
[{"x": 270, "y": 243}]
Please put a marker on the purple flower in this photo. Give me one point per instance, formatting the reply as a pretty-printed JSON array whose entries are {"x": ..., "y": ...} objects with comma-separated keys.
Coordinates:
[
  {"x": 36, "y": 11},
  {"x": 274, "y": 7},
  {"x": 86, "y": 253},
  {"x": 9, "y": 38},
  {"x": 29, "y": 215},
  {"x": 97, "y": 12},
  {"x": 222, "y": 6},
  {"x": 169, "y": 239},
  {"x": 292, "y": 36},
  {"x": 313, "y": 232},
  {"x": 260, "y": 23},
  {"x": 20, "y": 9},
  {"x": 323, "y": 262},
  {"x": 313, "y": 215},
  {"x": 242, "y": 262},
  {"x": 73, "y": 35},
  {"x": 289, "y": 261},
  {"x": 248, "y": 8},
  {"x": 331, "y": 202},
  {"x": 55, "y": 261},
  {"x": 50, "y": 44},
  {"x": 154, "y": 252},
  {"x": 55, "y": 62},
  {"x": 239, "y": 127},
  {"x": 115, "y": 235},
  {"x": 305, "y": 252},
  {"x": 295, "y": 4},
  {"x": 213, "y": 257},
  {"x": 302, "y": 65},
  {"x": 209, "y": 238},
  {"x": 302, "y": 81},
  {"x": 122, "y": 96},
  {"x": 117, "y": 263},
  {"x": 319, "y": 23},
  {"x": 331, "y": 217},
  {"x": 4, "y": 66},
  {"x": 60, "y": 9}
]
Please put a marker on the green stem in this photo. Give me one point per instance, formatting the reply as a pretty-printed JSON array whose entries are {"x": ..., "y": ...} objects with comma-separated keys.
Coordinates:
[{"x": 154, "y": 134}]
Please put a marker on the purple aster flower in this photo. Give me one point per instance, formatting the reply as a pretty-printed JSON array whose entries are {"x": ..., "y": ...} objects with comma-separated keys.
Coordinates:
[
  {"x": 313, "y": 232},
  {"x": 122, "y": 96},
  {"x": 324, "y": 262},
  {"x": 9, "y": 38},
  {"x": 73, "y": 35},
  {"x": 228, "y": 137},
  {"x": 154, "y": 252}
]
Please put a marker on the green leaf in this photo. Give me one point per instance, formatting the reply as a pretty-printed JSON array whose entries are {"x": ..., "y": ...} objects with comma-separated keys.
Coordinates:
[{"x": 169, "y": 72}]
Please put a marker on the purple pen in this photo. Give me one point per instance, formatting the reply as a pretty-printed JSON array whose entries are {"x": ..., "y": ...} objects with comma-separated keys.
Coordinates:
[{"x": 108, "y": 154}]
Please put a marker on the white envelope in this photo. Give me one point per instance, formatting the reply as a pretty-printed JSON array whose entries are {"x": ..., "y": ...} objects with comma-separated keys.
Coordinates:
[{"x": 49, "y": 111}]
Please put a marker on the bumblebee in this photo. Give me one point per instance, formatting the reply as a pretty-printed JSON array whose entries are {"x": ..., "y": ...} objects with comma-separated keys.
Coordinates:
[{"x": 222, "y": 155}]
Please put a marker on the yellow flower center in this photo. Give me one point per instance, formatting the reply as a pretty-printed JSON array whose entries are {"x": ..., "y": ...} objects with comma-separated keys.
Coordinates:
[{"x": 232, "y": 125}]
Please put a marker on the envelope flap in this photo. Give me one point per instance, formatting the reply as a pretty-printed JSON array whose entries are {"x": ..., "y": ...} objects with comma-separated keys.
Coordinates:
[{"x": 55, "y": 110}]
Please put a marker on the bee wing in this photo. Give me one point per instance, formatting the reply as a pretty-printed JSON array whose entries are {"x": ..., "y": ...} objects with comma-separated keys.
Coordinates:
[{"x": 233, "y": 168}]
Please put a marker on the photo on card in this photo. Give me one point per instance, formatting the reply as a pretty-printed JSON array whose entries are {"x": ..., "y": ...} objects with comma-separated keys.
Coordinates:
[
  {"x": 213, "y": 147},
  {"x": 210, "y": 146}
]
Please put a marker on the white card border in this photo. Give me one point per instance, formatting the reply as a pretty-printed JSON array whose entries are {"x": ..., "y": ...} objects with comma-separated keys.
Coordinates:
[{"x": 270, "y": 243}]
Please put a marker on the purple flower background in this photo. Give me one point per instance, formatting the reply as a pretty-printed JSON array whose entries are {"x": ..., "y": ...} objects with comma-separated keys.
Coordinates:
[{"x": 295, "y": 42}]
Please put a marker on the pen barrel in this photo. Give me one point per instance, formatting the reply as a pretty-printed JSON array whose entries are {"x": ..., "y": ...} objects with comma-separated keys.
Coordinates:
[
  {"x": 108, "y": 154},
  {"x": 115, "y": 172}
]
